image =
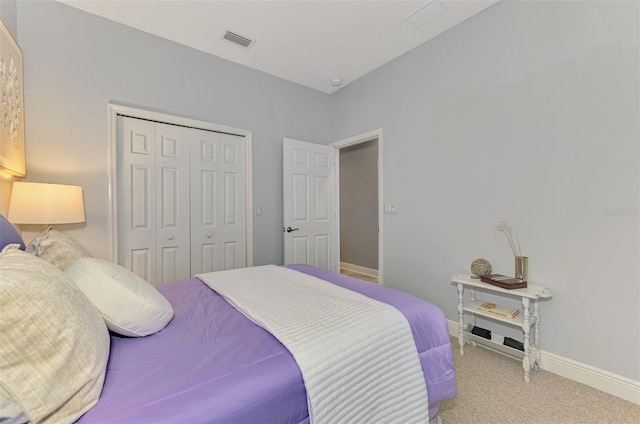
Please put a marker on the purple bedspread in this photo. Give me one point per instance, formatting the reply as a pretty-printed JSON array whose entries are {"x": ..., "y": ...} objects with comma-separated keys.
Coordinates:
[{"x": 211, "y": 364}]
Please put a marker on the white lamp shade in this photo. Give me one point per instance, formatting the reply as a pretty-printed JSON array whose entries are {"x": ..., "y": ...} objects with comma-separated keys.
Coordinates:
[{"x": 43, "y": 203}]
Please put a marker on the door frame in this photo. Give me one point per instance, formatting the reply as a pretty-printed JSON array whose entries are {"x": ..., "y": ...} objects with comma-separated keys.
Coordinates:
[
  {"x": 114, "y": 110},
  {"x": 341, "y": 144}
]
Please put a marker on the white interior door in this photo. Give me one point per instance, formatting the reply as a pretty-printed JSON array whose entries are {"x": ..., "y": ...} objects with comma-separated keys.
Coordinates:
[{"x": 308, "y": 173}]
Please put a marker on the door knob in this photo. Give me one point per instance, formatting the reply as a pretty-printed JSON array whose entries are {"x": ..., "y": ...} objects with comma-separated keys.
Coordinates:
[
  {"x": 170, "y": 237},
  {"x": 290, "y": 230},
  {"x": 208, "y": 235}
]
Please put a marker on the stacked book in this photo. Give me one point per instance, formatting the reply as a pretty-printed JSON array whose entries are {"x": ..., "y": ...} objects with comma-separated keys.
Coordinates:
[
  {"x": 500, "y": 310},
  {"x": 504, "y": 281}
]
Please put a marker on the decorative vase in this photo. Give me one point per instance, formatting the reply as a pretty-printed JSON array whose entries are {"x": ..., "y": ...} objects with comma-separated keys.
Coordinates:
[{"x": 522, "y": 268}]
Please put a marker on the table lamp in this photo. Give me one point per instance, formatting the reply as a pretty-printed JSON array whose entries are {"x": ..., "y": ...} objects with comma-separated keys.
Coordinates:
[{"x": 45, "y": 203}]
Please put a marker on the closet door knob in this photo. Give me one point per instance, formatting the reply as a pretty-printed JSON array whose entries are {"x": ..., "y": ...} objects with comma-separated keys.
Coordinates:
[
  {"x": 208, "y": 235},
  {"x": 170, "y": 237}
]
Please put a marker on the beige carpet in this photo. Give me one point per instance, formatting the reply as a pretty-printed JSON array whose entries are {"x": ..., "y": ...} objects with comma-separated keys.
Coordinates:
[{"x": 491, "y": 389}]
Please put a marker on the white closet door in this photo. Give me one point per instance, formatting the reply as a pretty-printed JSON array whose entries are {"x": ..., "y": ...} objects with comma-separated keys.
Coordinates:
[
  {"x": 154, "y": 233},
  {"x": 137, "y": 197},
  {"x": 233, "y": 231},
  {"x": 172, "y": 203},
  {"x": 182, "y": 200},
  {"x": 218, "y": 202}
]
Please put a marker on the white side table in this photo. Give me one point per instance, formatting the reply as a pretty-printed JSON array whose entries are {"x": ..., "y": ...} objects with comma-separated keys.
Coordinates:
[{"x": 529, "y": 297}]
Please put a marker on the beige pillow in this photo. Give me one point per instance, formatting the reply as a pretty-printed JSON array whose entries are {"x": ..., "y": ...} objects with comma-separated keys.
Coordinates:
[
  {"x": 54, "y": 345},
  {"x": 56, "y": 248}
]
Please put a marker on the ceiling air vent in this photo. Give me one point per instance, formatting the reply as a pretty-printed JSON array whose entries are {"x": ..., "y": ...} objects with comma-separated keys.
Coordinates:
[
  {"x": 237, "y": 39},
  {"x": 425, "y": 13}
]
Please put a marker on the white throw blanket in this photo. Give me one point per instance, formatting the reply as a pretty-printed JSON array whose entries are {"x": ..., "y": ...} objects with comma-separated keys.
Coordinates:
[{"x": 357, "y": 356}]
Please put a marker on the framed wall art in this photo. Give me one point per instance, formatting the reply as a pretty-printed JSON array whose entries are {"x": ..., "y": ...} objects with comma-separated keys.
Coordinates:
[{"x": 12, "y": 140}]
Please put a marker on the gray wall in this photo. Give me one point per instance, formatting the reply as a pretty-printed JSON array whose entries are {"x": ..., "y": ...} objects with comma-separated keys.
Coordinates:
[
  {"x": 528, "y": 111},
  {"x": 75, "y": 63},
  {"x": 359, "y": 204},
  {"x": 8, "y": 13}
]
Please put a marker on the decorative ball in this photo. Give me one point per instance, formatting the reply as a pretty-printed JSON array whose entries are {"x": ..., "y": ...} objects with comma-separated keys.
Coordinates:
[{"x": 481, "y": 267}]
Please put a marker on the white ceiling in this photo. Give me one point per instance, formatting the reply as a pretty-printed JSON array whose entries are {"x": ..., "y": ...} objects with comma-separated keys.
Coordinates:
[{"x": 304, "y": 41}]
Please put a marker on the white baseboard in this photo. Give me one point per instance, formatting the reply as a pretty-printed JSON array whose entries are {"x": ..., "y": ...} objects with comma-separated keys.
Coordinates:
[
  {"x": 359, "y": 269},
  {"x": 614, "y": 384}
]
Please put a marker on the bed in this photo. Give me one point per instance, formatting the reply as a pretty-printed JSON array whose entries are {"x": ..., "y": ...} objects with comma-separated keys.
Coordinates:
[
  {"x": 227, "y": 369},
  {"x": 212, "y": 364}
]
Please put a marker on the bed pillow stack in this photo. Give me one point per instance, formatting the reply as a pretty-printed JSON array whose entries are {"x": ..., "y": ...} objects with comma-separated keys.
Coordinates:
[
  {"x": 54, "y": 345},
  {"x": 129, "y": 305},
  {"x": 54, "y": 342}
]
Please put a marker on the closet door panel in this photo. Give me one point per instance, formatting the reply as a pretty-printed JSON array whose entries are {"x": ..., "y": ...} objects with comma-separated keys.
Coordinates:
[
  {"x": 209, "y": 257},
  {"x": 231, "y": 217},
  {"x": 233, "y": 229},
  {"x": 172, "y": 203},
  {"x": 204, "y": 201},
  {"x": 136, "y": 211},
  {"x": 218, "y": 222},
  {"x": 231, "y": 255},
  {"x": 142, "y": 263}
]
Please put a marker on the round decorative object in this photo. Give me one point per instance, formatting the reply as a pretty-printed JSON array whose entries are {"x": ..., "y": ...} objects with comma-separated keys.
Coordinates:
[{"x": 480, "y": 267}]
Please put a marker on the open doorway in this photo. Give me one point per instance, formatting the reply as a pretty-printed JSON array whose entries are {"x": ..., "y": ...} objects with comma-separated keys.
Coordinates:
[
  {"x": 359, "y": 210},
  {"x": 359, "y": 223}
]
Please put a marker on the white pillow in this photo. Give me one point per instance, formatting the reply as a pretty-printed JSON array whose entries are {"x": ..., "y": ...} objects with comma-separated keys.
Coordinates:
[
  {"x": 129, "y": 305},
  {"x": 54, "y": 345}
]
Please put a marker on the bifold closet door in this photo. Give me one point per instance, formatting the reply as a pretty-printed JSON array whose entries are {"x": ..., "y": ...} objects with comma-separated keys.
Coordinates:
[
  {"x": 153, "y": 187},
  {"x": 218, "y": 202},
  {"x": 181, "y": 200}
]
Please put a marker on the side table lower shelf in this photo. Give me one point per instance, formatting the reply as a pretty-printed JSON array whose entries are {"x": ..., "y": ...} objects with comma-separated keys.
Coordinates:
[{"x": 501, "y": 348}]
